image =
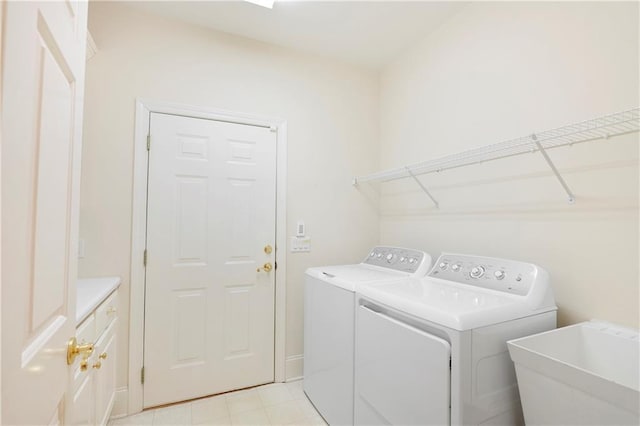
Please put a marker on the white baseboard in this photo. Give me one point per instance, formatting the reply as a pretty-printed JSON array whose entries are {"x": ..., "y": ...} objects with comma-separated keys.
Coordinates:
[
  {"x": 293, "y": 368},
  {"x": 120, "y": 404}
]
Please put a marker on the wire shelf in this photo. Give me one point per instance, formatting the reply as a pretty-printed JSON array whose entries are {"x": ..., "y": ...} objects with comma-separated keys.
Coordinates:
[{"x": 604, "y": 127}]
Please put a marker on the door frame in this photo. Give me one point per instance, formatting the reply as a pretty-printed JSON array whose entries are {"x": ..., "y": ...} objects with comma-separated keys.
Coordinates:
[{"x": 144, "y": 108}]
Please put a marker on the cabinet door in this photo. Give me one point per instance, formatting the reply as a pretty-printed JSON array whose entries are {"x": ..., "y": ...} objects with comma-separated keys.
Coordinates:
[
  {"x": 105, "y": 374},
  {"x": 81, "y": 405},
  {"x": 82, "y": 408}
]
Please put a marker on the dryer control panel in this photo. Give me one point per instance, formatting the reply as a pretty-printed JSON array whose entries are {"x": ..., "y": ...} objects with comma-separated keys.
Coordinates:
[
  {"x": 504, "y": 275},
  {"x": 414, "y": 262}
]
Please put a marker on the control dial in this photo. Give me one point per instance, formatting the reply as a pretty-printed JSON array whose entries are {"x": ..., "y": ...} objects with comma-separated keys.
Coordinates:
[
  {"x": 389, "y": 257},
  {"x": 499, "y": 275},
  {"x": 477, "y": 272},
  {"x": 455, "y": 267},
  {"x": 443, "y": 265}
]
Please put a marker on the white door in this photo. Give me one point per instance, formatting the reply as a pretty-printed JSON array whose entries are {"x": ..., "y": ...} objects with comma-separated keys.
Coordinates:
[
  {"x": 209, "y": 311},
  {"x": 42, "y": 80}
]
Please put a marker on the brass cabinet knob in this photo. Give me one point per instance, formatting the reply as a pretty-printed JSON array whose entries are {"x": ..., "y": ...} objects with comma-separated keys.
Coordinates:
[
  {"x": 268, "y": 249},
  {"x": 97, "y": 365},
  {"x": 74, "y": 349},
  {"x": 103, "y": 355},
  {"x": 266, "y": 267}
]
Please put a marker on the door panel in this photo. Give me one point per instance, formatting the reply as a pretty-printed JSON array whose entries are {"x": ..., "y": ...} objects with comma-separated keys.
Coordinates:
[
  {"x": 191, "y": 209},
  {"x": 190, "y": 335},
  {"x": 42, "y": 80},
  {"x": 209, "y": 313},
  {"x": 53, "y": 156}
]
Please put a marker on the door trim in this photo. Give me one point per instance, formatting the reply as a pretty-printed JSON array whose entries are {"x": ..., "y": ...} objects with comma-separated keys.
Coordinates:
[{"x": 138, "y": 231}]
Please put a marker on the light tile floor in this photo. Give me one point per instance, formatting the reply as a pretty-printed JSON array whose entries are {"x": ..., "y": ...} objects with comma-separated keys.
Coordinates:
[{"x": 273, "y": 404}]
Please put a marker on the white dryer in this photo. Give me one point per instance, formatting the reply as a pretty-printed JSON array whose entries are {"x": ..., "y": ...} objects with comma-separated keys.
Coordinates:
[
  {"x": 329, "y": 313},
  {"x": 433, "y": 350}
]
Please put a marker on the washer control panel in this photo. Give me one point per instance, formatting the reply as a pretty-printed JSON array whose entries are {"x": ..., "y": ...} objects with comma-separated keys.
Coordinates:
[
  {"x": 399, "y": 259},
  {"x": 504, "y": 275}
]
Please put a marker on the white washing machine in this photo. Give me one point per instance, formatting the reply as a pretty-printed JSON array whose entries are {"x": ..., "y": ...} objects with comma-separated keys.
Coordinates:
[
  {"x": 433, "y": 351},
  {"x": 329, "y": 313}
]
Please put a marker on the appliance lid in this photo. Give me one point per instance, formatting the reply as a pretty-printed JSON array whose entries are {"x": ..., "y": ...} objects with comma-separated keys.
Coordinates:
[
  {"x": 450, "y": 304},
  {"x": 350, "y": 276}
]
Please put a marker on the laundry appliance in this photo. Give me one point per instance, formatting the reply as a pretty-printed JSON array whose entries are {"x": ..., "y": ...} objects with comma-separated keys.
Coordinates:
[
  {"x": 433, "y": 351},
  {"x": 329, "y": 314}
]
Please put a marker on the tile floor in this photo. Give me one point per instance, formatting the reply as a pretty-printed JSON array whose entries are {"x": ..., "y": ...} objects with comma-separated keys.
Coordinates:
[{"x": 273, "y": 404}]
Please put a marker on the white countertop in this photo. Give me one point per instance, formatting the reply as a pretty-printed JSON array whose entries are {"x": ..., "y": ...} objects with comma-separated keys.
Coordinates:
[{"x": 90, "y": 292}]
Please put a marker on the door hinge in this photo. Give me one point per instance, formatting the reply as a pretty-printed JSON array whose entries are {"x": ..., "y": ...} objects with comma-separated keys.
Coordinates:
[
  {"x": 449, "y": 363},
  {"x": 149, "y": 142},
  {"x": 275, "y": 265},
  {"x": 144, "y": 257},
  {"x": 142, "y": 375}
]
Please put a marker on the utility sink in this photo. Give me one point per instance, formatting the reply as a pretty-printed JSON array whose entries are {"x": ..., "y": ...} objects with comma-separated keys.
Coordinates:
[{"x": 584, "y": 374}]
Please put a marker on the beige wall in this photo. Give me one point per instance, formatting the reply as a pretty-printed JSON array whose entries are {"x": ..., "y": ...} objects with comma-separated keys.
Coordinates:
[
  {"x": 331, "y": 111},
  {"x": 496, "y": 71},
  {"x": 492, "y": 72}
]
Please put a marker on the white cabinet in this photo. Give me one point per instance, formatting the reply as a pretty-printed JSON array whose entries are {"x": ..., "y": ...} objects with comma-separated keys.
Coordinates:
[
  {"x": 93, "y": 387},
  {"x": 105, "y": 376}
]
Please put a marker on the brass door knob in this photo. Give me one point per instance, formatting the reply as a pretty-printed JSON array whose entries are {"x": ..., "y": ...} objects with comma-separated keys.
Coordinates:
[
  {"x": 268, "y": 249},
  {"x": 74, "y": 349},
  {"x": 266, "y": 267}
]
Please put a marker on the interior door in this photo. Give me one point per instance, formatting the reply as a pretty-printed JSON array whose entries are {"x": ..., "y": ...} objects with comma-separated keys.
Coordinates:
[
  {"x": 42, "y": 80},
  {"x": 209, "y": 305}
]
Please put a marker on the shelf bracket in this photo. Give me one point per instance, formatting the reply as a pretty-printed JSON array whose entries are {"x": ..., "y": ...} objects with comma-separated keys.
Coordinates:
[
  {"x": 572, "y": 198},
  {"x": 426, "y": 191}
]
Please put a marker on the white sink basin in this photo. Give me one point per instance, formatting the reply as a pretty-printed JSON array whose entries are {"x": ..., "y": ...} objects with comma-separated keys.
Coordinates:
[{"x": 584, "y": 374}]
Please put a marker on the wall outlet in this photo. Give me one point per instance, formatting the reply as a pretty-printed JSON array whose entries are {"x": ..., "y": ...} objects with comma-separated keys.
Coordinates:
[{"x": 300, "y": 244}]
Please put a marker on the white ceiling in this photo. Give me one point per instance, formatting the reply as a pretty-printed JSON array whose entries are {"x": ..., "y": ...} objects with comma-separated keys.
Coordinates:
[{"x": 367, "y": 33}]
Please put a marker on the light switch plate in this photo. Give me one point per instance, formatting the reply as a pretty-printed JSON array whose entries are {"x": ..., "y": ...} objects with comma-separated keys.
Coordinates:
[{"x": 300, "y": 244}]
